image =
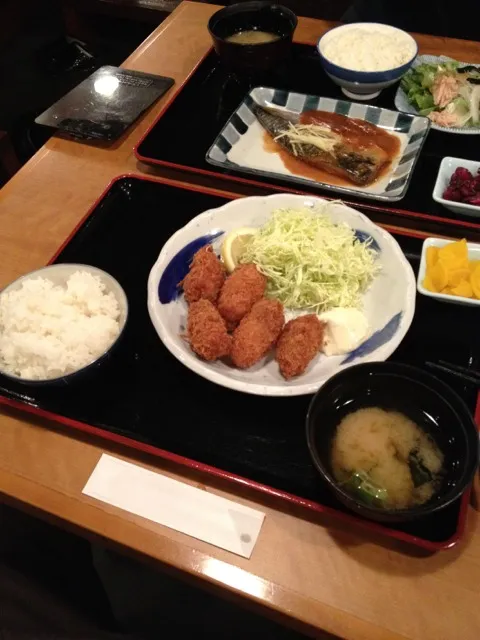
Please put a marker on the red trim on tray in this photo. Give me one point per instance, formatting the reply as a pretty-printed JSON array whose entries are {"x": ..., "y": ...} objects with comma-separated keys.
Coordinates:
[
  {"x": 219, "y": 473},
  {"x": 402, "y": 212},
  {"x": 225, "y": 475},
  {"x": 160, "y": 180},
  {"x": 198, "y": 188},
  {"x": 222, "y": 176}
]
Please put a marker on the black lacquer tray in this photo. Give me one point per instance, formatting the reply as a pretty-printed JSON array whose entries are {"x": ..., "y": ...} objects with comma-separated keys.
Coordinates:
[
  {"x": 190, "y": 122},
  {"x": 144, "y": 398}
]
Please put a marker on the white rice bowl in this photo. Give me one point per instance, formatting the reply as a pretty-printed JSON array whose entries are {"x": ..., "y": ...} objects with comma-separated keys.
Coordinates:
[{"x": 58, "y": 320}]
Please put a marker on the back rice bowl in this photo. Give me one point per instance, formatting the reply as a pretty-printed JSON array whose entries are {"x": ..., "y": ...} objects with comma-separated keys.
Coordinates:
[{"x": 365, "y": 57}]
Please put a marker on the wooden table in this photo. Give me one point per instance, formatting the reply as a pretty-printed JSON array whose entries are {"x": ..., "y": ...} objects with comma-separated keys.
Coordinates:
[{"x": 312, "y": 573}]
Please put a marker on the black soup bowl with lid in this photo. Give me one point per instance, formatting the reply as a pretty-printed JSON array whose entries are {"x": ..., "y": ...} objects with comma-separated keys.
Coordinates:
[
  {"x": 423, "y": 398},
  {"x": 252, "y": 59}
]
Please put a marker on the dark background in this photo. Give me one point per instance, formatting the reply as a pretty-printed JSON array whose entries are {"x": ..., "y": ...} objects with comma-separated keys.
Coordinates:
[{"x": 49, "y": 587}]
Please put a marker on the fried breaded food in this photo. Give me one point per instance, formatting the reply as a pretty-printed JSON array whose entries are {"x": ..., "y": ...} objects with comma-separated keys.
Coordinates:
[
  {"x": 240, "y": 291},
  {"x": 205, "y": 278},
  {"x": 299, "y": 342},
  {"x": 207, "y": 331},
  {"x": 257, "y": 332}
]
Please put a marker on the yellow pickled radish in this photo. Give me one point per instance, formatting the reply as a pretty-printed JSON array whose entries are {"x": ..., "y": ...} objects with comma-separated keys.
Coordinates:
[
  {"x": 456, "y": 276},
  {"x": 464, "y": 289},
  {"x": 432, "y": 256},
  {"x": 427, "y": 283},
  {"x": 475, "y": 281},
  {"x": 454, "y": 255},
  {"x": 439, "y": 277},
  {"x": 449, "y": 271},
  {"x": 473, "y": 264}
]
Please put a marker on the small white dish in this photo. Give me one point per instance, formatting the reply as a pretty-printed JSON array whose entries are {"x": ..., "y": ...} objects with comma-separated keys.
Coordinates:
[
  {"x": 59, "y": 274},
  {"x": 445, "y": 172},
  {"x": 473, "y": 254}
]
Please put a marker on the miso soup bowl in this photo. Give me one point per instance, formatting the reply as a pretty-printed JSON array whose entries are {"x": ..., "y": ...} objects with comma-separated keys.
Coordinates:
[
  {"x": 425, "y": 399},
  {"x": 251, "y": 60}
]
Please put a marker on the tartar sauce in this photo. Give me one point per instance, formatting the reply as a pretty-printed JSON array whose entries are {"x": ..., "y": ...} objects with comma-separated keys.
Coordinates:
[{"x": 345, "y": 330}]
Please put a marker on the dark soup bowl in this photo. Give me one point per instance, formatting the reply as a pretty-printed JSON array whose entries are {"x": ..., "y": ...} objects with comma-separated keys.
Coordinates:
[
  {"x": 252, "y": 59},
  {"x": 427, "y": 401}
]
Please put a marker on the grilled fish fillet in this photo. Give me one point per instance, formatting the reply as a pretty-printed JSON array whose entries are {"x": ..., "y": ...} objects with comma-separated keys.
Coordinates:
[{"x": 333, "y": 153}]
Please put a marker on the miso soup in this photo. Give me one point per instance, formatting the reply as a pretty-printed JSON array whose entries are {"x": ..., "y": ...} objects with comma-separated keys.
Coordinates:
[
  {"x": 252, "y": 36},
  {"x": 385, "y": 459}
]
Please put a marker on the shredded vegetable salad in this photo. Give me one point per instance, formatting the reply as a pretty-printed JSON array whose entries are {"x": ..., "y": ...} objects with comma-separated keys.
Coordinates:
[
  {"x": 311, "y": 262},
  {"x": 448, "y": 93}
]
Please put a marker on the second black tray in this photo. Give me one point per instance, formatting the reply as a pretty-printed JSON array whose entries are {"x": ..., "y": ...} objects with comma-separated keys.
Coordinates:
[{"x": 186, "y": 129}]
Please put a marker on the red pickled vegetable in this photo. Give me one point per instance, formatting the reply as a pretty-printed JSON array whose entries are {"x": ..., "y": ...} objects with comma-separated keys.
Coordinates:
[{"x": 463, "y": 187}]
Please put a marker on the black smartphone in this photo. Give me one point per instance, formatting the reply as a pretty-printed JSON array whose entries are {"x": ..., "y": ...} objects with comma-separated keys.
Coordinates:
[{"x": 105, "y": 104}]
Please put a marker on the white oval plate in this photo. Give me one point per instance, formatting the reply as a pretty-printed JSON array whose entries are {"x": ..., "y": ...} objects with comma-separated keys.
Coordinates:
[
  {"x": 402, "y": 103},
  {"x": 389, "y": 303}
]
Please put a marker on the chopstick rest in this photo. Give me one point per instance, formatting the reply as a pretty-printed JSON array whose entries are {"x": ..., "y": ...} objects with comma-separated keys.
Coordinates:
[{"x": 176, "y": 505}]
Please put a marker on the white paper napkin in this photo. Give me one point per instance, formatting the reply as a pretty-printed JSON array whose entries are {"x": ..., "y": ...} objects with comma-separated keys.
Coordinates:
[{"x": 176, "y": 505}]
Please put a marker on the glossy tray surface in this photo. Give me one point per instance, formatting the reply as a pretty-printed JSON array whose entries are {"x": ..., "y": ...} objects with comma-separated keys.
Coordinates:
[{"x": 148, "y": 400}]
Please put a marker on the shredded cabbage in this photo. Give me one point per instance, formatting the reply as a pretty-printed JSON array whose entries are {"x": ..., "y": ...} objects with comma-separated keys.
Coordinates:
[{"x": 311, "y": 262}]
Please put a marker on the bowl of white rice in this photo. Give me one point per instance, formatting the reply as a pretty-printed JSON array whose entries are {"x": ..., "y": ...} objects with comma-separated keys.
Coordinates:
[
  {"x": 365, "y": 57},
  {"x": 58, "y": 321}
]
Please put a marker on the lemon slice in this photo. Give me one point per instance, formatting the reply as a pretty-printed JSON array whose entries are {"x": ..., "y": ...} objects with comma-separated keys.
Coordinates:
[{"x": 234, "y": 245}]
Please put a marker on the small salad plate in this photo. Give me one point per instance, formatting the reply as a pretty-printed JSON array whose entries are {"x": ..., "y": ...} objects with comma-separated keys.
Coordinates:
[
  {"x": 473, "y": 254},
  {"x": 463, "y": 105},
  {"x": 388, "y": 303},
  {"x": 243, "y": 144}
]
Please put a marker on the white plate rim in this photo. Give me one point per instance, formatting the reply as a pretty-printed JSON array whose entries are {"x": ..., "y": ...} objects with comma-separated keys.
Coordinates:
[{"x": 196, "y": 365}]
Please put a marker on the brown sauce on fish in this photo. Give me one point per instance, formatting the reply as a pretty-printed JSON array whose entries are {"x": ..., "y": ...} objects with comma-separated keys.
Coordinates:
[
  {"x": 299, "y": 168},
  {"x": 358, "y": 133}
]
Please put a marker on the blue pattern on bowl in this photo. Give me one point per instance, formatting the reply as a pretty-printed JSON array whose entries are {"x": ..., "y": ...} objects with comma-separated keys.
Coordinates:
[
  {"x": 377, "y": 339},
  {"x": 177, "y": 268},
  {"x": 363, "y": 236},
  {"x": 364, "y": 77}
]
